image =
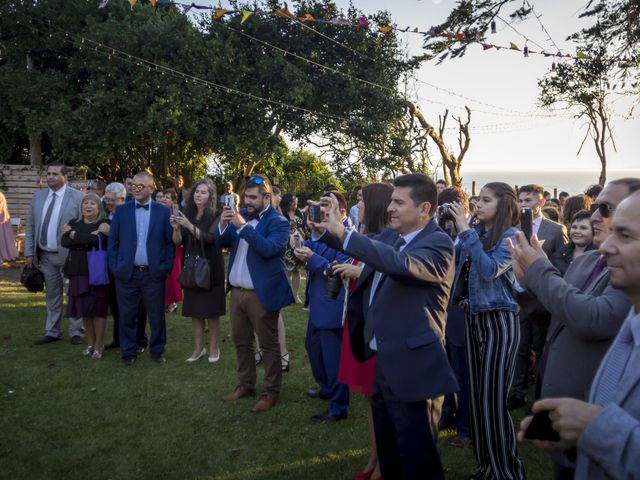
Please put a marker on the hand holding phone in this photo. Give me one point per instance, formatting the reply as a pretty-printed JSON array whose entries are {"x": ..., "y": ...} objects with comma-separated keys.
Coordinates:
[
  {"x": 526, "y": 223},
  {"x": 315, "y": 213},
  {"x": 541, "y": 428},
  {"x": 230, "y": 202},
  {"x": 176, "y": 210}
]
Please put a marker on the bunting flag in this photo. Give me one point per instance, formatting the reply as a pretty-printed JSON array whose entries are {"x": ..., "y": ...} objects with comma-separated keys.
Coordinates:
[
  {"x": 103, "y": 3},
  {"x": 133, "y": 3},
  {"x": 284, "y": 12},
  {"x": 245, "y": 16},
  {"x": 306, "y": 18},
  {"x": 486, "y": 46},
  {"x": 340, "y": 21},
  {"x": 513, "y": 46},
  {"x": 386, "y": 29},
  {"x": 363, "y": 22},
  {"x": 219, "y": 13},
  {"x": 582, "y": 55}
]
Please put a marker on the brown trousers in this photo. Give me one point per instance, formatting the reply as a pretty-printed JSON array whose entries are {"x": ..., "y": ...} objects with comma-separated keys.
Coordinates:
[{"x": 248, "y": 315}]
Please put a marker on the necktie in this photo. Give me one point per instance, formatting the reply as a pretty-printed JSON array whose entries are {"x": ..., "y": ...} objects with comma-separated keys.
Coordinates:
[
  {"x": 45, "y": 222},
  {"x": 597, "y": 270},
  {"x": 615, "y": 365},
  {"x": 399, "y": 243},
  {"x": 139, "y": 205}
]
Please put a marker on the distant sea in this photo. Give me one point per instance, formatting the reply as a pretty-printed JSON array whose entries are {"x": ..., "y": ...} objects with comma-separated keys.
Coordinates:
[{"x": 572, "y": 182}]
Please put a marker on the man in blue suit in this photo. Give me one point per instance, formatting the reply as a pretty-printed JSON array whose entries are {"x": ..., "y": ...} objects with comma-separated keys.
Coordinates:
[
  {"x": 398, "y": 311},
  {"x": 141, "y": 254},
  {"x": 257, "y": 278},
  {"x": 324, "y": 331}
]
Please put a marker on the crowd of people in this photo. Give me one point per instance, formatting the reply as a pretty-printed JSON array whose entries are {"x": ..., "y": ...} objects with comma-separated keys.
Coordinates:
[{"x": 442, "y": 310}]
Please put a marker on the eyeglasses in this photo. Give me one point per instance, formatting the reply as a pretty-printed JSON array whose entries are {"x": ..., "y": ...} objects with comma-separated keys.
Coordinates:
[
  {"x": 605, "y": 209},
  {"x": 136, "y": 187}
]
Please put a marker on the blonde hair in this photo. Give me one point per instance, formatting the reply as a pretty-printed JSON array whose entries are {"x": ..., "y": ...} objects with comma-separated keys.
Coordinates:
[{"x": 96, "y": 199}]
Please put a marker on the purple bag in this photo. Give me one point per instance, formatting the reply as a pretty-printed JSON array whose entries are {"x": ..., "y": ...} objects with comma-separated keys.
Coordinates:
[{"x": 97, "y": 262}]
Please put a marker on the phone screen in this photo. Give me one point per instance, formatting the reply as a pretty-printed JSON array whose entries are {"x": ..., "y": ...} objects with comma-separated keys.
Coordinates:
[
  {"x": 526, "y": 222},
  {"x": 315, "y": 214},
  {"x": 176, "y": 209},
  {"x": 231, "y": 202}
]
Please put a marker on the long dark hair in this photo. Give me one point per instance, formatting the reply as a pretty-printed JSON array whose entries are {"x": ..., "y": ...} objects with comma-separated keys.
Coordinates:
[
  {"x": 507, "y": 212},
  {"x": 285, "y": 203},
  {"x": 376, "y": 198},
  {"x": 209, "y": 213}
]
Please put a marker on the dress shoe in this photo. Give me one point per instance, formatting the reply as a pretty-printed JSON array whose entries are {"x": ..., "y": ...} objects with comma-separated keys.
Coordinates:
[
  {"x": 129, "y": 361},
  {"x": 46, "y": 339},
  {"x": 158, "y": 358},
  {"x": 76, "y": 340},
  {"x": 327, "y": 417},
  {"x": 111, "y": 346},
  {"x": 460, "y": 442},
  {"x": 214, "y": 358},
  {"x": 192, "y": 359},
  {"x": 238, "y": 393},
  {"x": 317, "y": 394},
  {"x": 265, "y": 404},
  {"x": 516, "y": 402}
]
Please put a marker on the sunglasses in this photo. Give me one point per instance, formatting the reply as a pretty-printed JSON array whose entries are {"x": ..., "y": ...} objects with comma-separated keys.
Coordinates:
[
  {"x": 136, "y": 187},
  {"x": 255, "y": 180},
  {"x": 605, "y": 210}
]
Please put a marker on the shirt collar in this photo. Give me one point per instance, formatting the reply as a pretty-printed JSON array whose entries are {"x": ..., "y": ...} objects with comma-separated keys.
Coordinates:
[
  {"x": 538, "y": 221},
  {"x": 138, "y": 203},
  {"x": 634, "y": 319},
  {"x": 410, "y": 236},
  {"x": 60, "y": 192},
  {"x": 264, "y": 211}
]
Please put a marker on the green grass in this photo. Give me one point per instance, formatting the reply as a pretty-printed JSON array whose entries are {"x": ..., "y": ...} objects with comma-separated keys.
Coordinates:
[{"x": 65, "y": 416}]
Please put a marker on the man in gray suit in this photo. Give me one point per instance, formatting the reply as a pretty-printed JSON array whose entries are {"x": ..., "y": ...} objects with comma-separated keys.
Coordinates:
[
  {"x": 606, "y": 431},
  {"x": 51, "y": 209},
  {"x": 534, "y": 318},
  {"x": 586, "y": 309}
]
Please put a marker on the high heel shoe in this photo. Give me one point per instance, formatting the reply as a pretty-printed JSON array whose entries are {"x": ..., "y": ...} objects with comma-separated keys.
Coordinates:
[
  {"x": 192, "y": 359},
  {"x": 285, "y": 362},
  {"x": 214, "y": 358},
  {"x": 87, "y": 352}
]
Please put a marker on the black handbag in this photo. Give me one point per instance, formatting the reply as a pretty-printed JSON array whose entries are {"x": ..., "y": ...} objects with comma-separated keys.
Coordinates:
[
  {"x": 196, "y": 272},
  {"x": 32, "y": 278}
]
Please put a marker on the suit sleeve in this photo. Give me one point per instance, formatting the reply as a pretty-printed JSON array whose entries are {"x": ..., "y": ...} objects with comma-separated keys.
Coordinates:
[
  {"x": 271, "y": 245},
  {"x": 169, "y": 247},
  {"x": 490, "y": 265},
  {"x": 227, "y": 237},
  {"x": 30, "y": 232},
  {"x": 428, "y": 263},
  {"x": 114, "y": 240},
  {"x": 589, "y": 317},
  {"x": 318, "y": 263},
  {"x": 612, "y": 441}
]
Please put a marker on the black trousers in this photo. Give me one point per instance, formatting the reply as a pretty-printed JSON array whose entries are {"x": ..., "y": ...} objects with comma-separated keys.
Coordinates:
[{"x": 406, "y": 445}]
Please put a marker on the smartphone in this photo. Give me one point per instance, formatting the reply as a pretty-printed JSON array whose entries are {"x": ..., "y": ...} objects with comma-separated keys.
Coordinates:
[
  {"x": 297, "y": 241},
  {"x": 526, "y": 222},
  {"x": 315, "y": 214},
  {"x": 231, "y": 202},
  {"x": 176, "y": 210},
  {"x": 541, "y": 428}
]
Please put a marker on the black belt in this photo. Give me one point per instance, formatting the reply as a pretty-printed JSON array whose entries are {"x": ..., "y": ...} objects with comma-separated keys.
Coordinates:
[{"x": 141, "y": 268}]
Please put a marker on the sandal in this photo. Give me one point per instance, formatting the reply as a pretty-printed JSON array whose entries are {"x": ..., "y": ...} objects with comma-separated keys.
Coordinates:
[
  {"x": 97, "y": 353},
  {"x": 87, "y": 352},
  {"x": 285, "y": 362}
]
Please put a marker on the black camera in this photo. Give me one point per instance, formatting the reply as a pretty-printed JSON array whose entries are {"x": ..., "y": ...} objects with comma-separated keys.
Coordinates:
[
  {"x": 334, "y": 282},
  {"x": 444, "y": 212}
]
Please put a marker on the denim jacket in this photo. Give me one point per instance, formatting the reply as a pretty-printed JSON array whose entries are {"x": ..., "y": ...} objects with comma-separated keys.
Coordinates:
[{"x": 491, "y": 279}]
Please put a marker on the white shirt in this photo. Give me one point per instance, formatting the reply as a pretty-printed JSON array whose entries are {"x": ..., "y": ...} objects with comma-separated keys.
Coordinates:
[
  {"x": 239, "y": 275},
  {"x": 52, "y": 231},
  {"x": 378, "y": 275},
  {"x": 536, "y": 224}
]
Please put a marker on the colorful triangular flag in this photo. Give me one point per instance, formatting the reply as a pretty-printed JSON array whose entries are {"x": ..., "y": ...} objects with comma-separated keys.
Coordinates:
[
  {"x": 386, "y": 29},
  {"x": 245, "y": 15},
  {"x": 219, "y": 13},
  {"x": 307, "y": 18},
  {"x": 513, "y": 46}
]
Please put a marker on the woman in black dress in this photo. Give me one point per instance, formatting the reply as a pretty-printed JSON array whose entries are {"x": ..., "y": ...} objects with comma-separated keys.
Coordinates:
[
  {"x": 194, "y": 229},
  {"x": 90, "y": 302}
]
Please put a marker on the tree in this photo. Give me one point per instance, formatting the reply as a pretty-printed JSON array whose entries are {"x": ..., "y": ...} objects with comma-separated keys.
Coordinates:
[{"x": 583, "y": 87}]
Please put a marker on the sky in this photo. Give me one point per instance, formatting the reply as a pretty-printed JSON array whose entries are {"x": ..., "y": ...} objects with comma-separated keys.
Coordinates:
[
  {"x": 505, "y": 80},
  {"x": 508, "y": 80}
]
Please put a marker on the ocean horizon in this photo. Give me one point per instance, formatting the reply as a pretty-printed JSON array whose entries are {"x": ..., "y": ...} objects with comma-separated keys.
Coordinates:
[{"x": 569, "y": 181}]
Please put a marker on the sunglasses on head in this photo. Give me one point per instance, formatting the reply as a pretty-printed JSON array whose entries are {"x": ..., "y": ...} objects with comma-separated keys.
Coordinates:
[
  {"x": 255, "y": 180},
  {"x": 605, "y": 209}
]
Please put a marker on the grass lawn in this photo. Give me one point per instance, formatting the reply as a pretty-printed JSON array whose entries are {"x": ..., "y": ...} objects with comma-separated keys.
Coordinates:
[{"x": 66, "y": 416}]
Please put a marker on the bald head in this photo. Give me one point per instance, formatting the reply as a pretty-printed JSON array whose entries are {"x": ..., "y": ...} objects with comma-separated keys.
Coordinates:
[{"x": 622, "y": 248}]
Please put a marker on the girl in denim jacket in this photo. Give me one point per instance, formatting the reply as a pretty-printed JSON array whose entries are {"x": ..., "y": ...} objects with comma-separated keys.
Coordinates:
[{"x": 484, "y": 282}]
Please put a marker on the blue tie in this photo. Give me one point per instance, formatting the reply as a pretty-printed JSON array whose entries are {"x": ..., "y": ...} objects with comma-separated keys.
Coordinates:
[
  {"x": 615, "y": 365},
  {"x": 139, "y": 205}
]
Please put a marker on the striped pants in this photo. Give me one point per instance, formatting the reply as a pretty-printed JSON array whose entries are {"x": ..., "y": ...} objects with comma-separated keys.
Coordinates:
[{"x": 492, "y": 344}]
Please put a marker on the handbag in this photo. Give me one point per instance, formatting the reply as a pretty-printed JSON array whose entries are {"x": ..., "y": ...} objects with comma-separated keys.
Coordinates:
[
  {"x": 32, "y": 278},
  {"x": 97, "y": 265},
  {"x": 196, "y": 272}
]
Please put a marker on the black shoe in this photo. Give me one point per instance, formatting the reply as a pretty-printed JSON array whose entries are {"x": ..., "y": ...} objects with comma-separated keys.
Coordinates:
[
  {"x": 516, "y": 402},
  {"x": 158, "y": 358},
  {"x": 112, "y": 345},
  {"x": 129, "y": 361},
  {"x": 327, "y": 417},
  {"x": 46, "y": 339},
  {"x": 76, "y": 340},
  {"x": 317, "y": 394}
]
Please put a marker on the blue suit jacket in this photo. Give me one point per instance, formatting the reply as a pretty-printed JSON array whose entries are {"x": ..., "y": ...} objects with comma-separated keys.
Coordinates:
[
  {"x": 323, "y": 312},
  {"x": 123, "y": 240},
  {"x": 265, "y": 257},
  {"x": 408, "y": 310}
]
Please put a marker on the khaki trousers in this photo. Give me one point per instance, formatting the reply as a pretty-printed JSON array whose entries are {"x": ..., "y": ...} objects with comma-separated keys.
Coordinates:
[{"x": 248, "y": 315}]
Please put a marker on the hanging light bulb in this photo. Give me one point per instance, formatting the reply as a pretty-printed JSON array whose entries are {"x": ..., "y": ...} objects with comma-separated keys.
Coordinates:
[
  {"x": 553, "y": 67},
  {"x": 493, "y": 26},
  {"x": 526, "y": 51}
]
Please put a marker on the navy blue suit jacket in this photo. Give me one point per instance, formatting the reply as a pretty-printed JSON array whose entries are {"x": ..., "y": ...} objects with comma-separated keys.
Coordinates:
[
  {"x": 265, "y": 257},
  {"x": 123, "y": 240},
  {"x": 408, "y": 310}
]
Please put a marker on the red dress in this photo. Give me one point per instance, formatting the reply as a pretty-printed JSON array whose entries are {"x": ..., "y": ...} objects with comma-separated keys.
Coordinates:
[
  {"x": 357, "y": 376},
  {"x": 173, "y": 288}
]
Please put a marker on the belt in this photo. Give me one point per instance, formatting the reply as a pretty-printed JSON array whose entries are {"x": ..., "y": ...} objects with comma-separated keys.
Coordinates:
[
  {"x": 141, "y": 268},
  {"x": 242, "y": 289}
]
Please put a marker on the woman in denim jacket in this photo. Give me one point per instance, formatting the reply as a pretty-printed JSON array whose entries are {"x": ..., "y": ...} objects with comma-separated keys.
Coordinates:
[{"x": 484, "y": 283}]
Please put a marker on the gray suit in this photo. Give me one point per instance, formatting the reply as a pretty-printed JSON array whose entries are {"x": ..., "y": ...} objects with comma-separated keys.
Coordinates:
[
  {"x": 51, "y": 263},
  {"x": 610, "y": 446},
  {"x": 534, "y": 317}
]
